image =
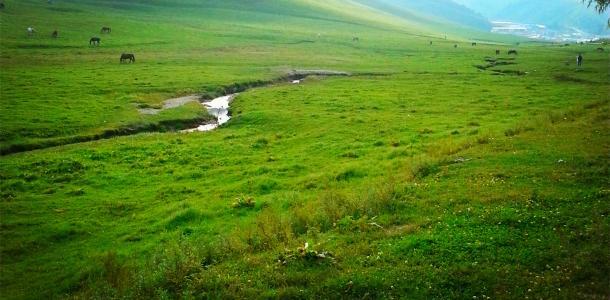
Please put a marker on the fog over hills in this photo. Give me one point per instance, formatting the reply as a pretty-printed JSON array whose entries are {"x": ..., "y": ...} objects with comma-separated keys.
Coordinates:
[
  {"x": 558, "y": 20},
  {"x": 558, "y": 16}
]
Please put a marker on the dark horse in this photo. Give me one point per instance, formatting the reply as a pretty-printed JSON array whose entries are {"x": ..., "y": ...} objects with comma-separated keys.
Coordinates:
[
  {"x": 1, "y": 5},
  {"x": 95, "y": 41},
  {"x": 600, "y": 49},
  {"x": 128, "y": 56},
  {"x": 106, "y": 30},
  {"x": 512, "y": 52},
  {"x": 474, "y": 44},
  {"x": 55, "y": 34},
  {"x": 497, "y": 52}
]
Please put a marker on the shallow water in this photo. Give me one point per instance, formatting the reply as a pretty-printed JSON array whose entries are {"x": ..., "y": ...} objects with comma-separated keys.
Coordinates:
[{"x": 219, "y": 108}]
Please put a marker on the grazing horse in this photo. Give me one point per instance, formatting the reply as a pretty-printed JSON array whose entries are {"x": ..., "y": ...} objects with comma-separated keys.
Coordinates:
[
  {"x": 31, "y": 31},
  {"x": 474, "y": 44},
  {"x": 55, "y": 34},
  {"x": 497, "y": 52},
  {"x": 455, "y": 46},
  {"x": 106, "y": 30},
  {"x": 430, "y": 43},
  {"x": 128, "y": 57},
  {"x": 95, "y": 41},
  {"x": 600, "y": 49},
  {"x": 355, "y": 39},
  {"x": 512, "y": 52}
]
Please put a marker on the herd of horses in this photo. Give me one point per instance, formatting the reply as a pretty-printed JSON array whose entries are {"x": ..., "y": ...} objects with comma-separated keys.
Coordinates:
[
  {"x": 125, "y": 57},
  {"x": 129, "y": 57},
  {"x": 510, "y": 52},
  {"x": 515, "y": 52},
  {"x": 93, "y": 41}
]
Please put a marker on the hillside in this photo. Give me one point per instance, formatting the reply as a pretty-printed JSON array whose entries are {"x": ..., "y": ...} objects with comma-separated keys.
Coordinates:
[
  {"x": 367, "y": 156},
  {"x": 431, "y": 12}
]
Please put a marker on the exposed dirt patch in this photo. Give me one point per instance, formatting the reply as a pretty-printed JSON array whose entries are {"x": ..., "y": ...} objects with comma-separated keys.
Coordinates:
[{"x": 496, "y": 62}]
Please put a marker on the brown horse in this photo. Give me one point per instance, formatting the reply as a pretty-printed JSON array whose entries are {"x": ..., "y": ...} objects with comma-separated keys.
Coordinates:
[
  {"x": 512, "y": 52},
  {"x": 474, "y": 44},
  {"x": 55, "y": 34},
  {"x": 497, "y": 52},
  {"x": 128, "y": 57},
  {"x": 600, "y": 49},
  {"x": 94, "y": 41},
  {"x": 106, "y": 30}
]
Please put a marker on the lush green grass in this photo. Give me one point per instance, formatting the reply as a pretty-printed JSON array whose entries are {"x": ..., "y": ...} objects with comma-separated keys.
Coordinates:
[{"x": 431, "y": 179}]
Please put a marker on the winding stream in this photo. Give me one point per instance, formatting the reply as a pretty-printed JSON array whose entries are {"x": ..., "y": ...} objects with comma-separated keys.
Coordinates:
[{"x": 219, "y": 108}]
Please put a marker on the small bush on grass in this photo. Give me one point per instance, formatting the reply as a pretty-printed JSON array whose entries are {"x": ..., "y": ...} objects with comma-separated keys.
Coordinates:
[{"x": 244, "y": 202}]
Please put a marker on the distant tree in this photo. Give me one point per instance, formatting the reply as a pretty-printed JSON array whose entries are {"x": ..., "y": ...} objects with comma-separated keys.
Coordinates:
[{"x": 600, "y": 6}]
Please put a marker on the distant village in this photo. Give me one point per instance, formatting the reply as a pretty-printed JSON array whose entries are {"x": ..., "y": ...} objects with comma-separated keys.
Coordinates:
[{"x": 542, "y": 32}]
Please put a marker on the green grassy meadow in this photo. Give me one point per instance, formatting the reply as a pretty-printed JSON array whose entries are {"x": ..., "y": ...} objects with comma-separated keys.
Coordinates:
[{"x": 432, "y": 172}]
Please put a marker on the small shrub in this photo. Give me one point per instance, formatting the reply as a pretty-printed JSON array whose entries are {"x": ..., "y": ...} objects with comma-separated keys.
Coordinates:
[
  {"x": 77, "y": 192},
  {"x": 511, "y": 132},
  {"x": 350, "y": 154},
  {"x": 244, "y": 202},
  {"x": 482, "y": 140},
  {"x": 348, "y": 174},
  {"x": 267, "y": 186},
  {"x": 423, "y": 168},
  {"x": 183, "y": 218}
]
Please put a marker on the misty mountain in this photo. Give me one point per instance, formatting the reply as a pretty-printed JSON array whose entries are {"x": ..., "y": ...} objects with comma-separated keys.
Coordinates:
[
  {"x": 432, "y": 11},
  {"x": 555, "y": 14}
]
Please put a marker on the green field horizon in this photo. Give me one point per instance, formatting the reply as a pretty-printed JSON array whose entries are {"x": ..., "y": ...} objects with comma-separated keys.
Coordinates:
[{"x": 432, "y": 168}]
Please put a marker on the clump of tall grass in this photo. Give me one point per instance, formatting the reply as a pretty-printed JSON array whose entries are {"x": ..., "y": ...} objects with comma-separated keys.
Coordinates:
[
  {"x": 171, "y": 273},
  {"x": 330, "y": 208},
  {"x": 184, "y": 267},
  {"x": 270, "y": 229}
]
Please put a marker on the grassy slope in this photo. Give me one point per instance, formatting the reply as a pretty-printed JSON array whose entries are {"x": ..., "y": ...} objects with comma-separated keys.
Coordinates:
[
  {"x": 175, "y": 56},
  {"x": 322, "y": 159}
]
